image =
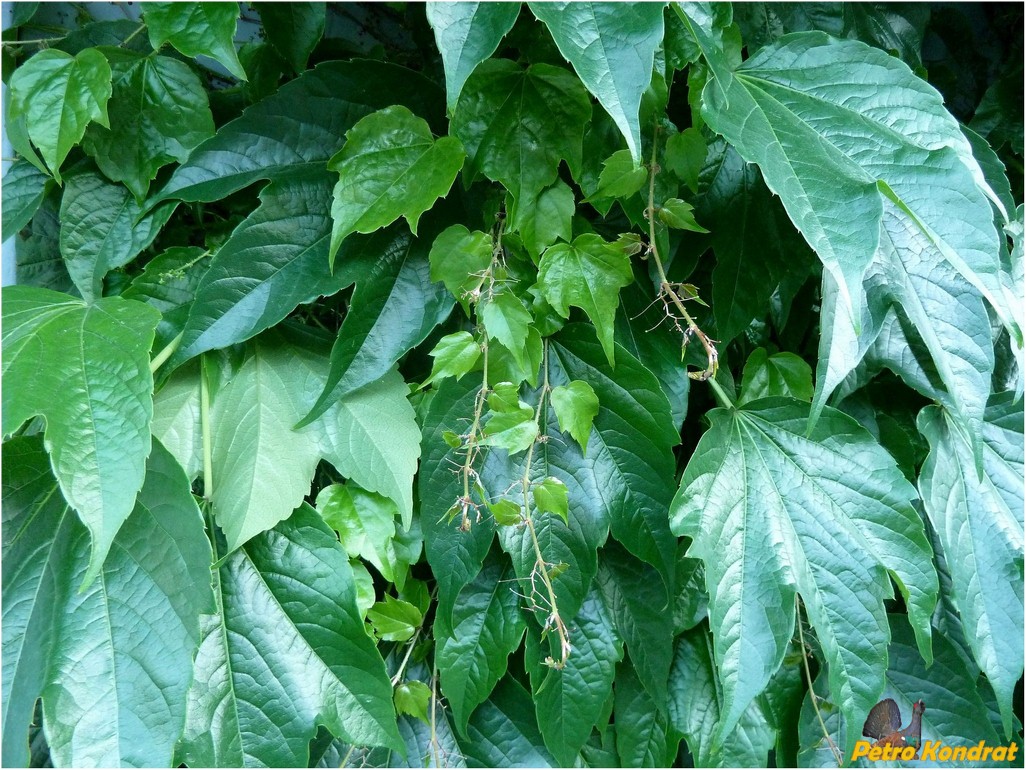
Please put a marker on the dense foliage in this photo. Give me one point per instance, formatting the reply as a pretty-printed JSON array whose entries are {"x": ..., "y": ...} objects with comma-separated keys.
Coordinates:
[{"x": 494, "y": 384}]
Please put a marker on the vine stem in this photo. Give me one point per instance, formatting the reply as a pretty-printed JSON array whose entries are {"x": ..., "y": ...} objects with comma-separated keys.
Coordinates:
[
  {"x": 406, "y": 658},
  {"x": 208, "y": 463},
  {"x": 540, "y": 566},
  {"x": 812, "y": 692},
  {"x": 665, "y": 287},
  {"x": 166, "y": 353}
]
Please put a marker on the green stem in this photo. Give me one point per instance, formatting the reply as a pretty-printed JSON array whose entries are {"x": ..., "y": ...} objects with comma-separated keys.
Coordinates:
[
  {"x": 165, "y": 354},
  {"x": 812, "y": 691},
  {"x": 128, "y": 39},
  {"x": 345, "y": 759},
  {"x": 721, "y": 395},
  {"x": 208, "y": 463}
]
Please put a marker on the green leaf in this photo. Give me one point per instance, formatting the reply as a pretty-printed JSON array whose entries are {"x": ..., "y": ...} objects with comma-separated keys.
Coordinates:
[
  {"x": 38, "y": 254},
  {"x": 978, "y": 520},
  {"x": 612, "y": 49},
  {"x": 834, "y": 179},
  {"x": 642, "y": 738},
  {"x": 506, "y": 319},
  {"x": 455, "y": 355},
  {"x": 393, "y": 309},
  {"x": 459, "y": 259},
  {"x": 780, "y": 374},
  {"x": 466, "y": 34},
  {"x": 102, "y": 228},
  {"x": 395, "y": 620},
  {"x": 293, "y": 29},
  {"x": 513, "y": 431},
  {"x": 487, "y": 625},
  {"x": 86, "y": 370},
  {"x": 844, "y": 510},
  {"x": 638, "y": 603},
  {"x": 503, "y": 731},
  {"x": 575, "y": 406},
  {"x": 365, "y": 523},
  {"x": 390, "y": 166},
  {"x": 275, "y": 260},
  {"x": 286, "y": 619},
  {"x": 452, "y": 552},
  {"x": 679, "y": 215},
  {"x": 158, "y": 113},
  {"x": 365, "y": 593},
  {"x": 550, "y": 496},
  {"x": 517, "y": 124},
  {"x": 505, "y": 397},
  {"x": 113, "y": 690},
  {"x": 588, "y": 274},
  {"x": 176, "y": 419},
  {"x": 507, "y": 513},
  {"x": 168, "y": 283},
  {"x": 262, "y": 468},
  {"x": 265, "y": 143},
  {"x": 412, "y": 698},
  {"x": 684, "y": 156},
  {"x": 621, "y": 177},
  {"x": 568, "y": 701},
  {"x": 58, "y": 95},
  {"x": 24, "y": 188},
  {"x": 544, "y": 218},
  {"x": 205, "y": 29},
  {"x": 696, "y": 709}
]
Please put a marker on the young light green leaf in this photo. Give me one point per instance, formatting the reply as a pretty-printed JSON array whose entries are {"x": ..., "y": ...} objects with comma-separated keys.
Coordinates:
[
  {"x": 620, "y": 177},
  {"x": 293, "y": 29},
  {"x": 588, "y": 274},
  {"x": 550, "y": 496},
  {"x": 91, "y": 655},
  {"x": 364, "y": 583},
  {"x": 612, "y": 49},
  {"x": 978, "y": 520},
  {"x": 575, "y": 405},
  {"x": 199, "y": 29},
  {"x": 394, "y": 620},
  {"x": 517, "y": 124},
  {"x": 389, "y": 167},
  {"x": 846, "y": 507},
  {"x": 505, "y": 397},
  {"x": 679, "y": 215},
  {"x": 58, "y": 95},
  {"x": 459, "y": 258},
  {"x": 102, "y": 228},
  {"x": 684, "y": 156},
  {"x": 780, "y": 374},
  {"x": 506, "y": 319},
  {"x": 487, "y": 625},
  {"x": 514, "y": 431},
  {"x": 455, "y": 355},
  {"x": 24, "y": 187},
  {"x": 158, "y": 113},
  {"x": 286, "y": 618},
  {"x": 507, "y": 513},
  {"x": 467, "y": 33},
  {"x": 365, "y": 523},
  {"x": 86, "y": 370},
  {"x": 412, "y": 697}
]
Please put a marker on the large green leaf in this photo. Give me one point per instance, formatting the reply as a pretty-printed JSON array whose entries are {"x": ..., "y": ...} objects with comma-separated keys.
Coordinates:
[
  {"x": 451, "y": 552},
  {"x": 176, "y": 419},
  {"x": 487, "y": 625},
  {"x": 568, "y": 701},
  {"x": 612, "y": 48},
  {"x": 389, "y": 167},
  {"x": 638, "y": 603},
  {"x": 293, "y": 29},
  {"x": 642, "y": 730},
  {"x": 274, "y": 260},
  {"x": 979, "y": 521},
  {"x": 956, "y": 708},
  {"x": 158, "y": 112},
  {"x": 859, "y": 172},
  {"x": 262, "y": 468},
  {"x": 773, "y": 511},
  {"x": 517, "y": 124},
  {"x": 467, "y": 33},
  {"x": 86, "y": 370},
  {"x": 102, "y": 228},
  {"x": 503, "y": 731},
  {"x": 57, "y": 95},
  {"x": 588, "y": 274},
  {"x": 112, "y": 663},
  {"x": 299, "y": 127},
  {"x": 196, "y": 29},
  {"x": 285, "y": 651},
  {"x": 696, "y": 709},
  {"x": 24, "y": 188}
]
